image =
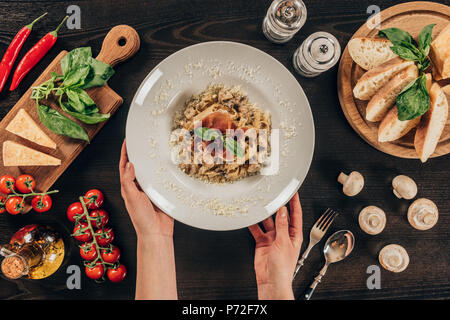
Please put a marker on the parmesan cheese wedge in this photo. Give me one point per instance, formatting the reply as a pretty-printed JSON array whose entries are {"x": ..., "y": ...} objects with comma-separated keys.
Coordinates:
[
  {"x": 24, "y": 126},
  {"x": 15, "y": 154}
]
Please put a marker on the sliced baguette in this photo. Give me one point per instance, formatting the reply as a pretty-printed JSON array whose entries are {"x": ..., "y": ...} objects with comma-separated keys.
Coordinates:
[
  {"x": 369, "y": 53},
  {"x": 391, "y": 128},
  {"x": 384, "y": 99},
  {"x": 432, "y": 124},
  {"x": 374, "y": 79}
]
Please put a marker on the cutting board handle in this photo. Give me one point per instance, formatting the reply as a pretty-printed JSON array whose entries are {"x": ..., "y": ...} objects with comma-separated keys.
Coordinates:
[{"x": 121, "y": 43}]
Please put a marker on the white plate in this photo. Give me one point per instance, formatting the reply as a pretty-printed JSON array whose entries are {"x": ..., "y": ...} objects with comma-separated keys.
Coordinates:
[{"x": 189, "y": 71}]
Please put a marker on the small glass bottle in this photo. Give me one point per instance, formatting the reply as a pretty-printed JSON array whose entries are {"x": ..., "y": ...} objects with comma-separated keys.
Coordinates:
[
  {"x": 34, "y": 251},
  {"x": 283, "y": 20},
  {"x": 318, "y": 53}
]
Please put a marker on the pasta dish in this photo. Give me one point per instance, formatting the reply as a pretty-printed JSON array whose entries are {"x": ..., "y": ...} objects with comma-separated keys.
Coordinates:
[{"x": 220, "y": 136}]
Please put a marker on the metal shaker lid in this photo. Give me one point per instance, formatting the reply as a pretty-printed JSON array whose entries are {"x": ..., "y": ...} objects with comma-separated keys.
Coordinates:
[
  {"x": 288, "y": 14},
  {"x": 321, "y": 50}
]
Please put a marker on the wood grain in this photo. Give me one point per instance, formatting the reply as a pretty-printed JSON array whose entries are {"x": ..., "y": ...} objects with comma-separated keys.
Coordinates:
[
  {"x": 219, "y": 265},
  {"x": 411, "y": 17},
  {"x": 67, "y": 148}
]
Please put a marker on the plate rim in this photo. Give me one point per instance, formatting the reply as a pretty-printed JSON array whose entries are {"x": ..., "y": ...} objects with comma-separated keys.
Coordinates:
[{"x": 310, "y": 116}]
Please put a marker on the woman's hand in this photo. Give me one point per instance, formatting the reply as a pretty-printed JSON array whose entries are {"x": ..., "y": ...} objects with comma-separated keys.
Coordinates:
[
  {"x": 277, "y": 250},
  {"x": 155, "y": 267},
  {"x": 147, "y": 219}
]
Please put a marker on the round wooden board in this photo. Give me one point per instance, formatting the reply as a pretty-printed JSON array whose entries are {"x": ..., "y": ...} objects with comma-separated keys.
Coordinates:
[{"x": 411, "y": 17}]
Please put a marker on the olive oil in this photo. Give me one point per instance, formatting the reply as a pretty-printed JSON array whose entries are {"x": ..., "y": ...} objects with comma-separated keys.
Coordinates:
[{"x": 34, "y": 251}]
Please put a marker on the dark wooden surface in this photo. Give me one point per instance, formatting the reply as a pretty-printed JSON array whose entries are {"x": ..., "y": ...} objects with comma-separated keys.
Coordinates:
[{"x": 219, "y": 265}]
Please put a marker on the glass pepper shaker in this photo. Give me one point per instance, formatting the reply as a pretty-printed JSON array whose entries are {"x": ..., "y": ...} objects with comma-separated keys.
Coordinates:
[
  {"x": 318, "y": 53},
  {"x": 283, "y": 20}
]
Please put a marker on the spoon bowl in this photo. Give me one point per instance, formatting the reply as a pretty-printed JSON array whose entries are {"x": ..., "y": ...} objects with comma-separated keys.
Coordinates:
[{"x": 337, "y": 247}]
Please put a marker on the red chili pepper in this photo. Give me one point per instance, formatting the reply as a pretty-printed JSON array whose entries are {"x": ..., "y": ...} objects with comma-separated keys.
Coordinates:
[
  {"x": 33, "y": 56},
  {"x": 13, "y": 51}
]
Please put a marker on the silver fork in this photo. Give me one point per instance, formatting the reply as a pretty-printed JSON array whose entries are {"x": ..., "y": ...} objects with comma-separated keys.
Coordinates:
[{"x": 317, "y": 232}]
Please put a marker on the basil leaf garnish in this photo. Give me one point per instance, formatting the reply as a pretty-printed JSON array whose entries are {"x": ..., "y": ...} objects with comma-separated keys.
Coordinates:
[
  {"x": 207, "y": 134},
  {"x": 414, "y": 100},
  {"x": 425, "y": 38},
  {"x": 234, "y": 147},
  {"x": 396, "y": 36},
  {"x": 60, "y": 124}
]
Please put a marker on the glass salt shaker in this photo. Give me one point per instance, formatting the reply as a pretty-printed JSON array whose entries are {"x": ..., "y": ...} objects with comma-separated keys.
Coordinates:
[
  {"x": 318, "y": 53},
  {"x": 283, "y": 20}
]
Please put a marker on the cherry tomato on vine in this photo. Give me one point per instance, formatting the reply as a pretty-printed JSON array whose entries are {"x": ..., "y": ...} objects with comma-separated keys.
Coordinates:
[
  {"x": 25, "y": 183},
  {"x": 74, "y": 210},
  {"x": 110, "y": 255},
  {"x": 117, "y": 274},
  {"x": 2, "y": 204},
  {"x": 88, "y": 251},
  {"x": 93, "y": 199},
  {"x": 101, "y": 218},
  {"x": 41, "y": 203},
  {"x": 6, "y": 183},
  {"x": 15, "y": 205},
  {"x": 105, "y": 237},
  {"x": 96, "y": 272},
  {"x": 83, "y": 236}
]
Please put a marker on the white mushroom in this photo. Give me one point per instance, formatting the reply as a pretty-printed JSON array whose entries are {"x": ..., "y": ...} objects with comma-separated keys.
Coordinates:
[
  {"x": 394, "y": 258},
  {"x": 423, "y": 214},
  {"x": 404, "y": 187},
  {"x": 352, "y": 183},
  {"x": 372, "y": 220}
]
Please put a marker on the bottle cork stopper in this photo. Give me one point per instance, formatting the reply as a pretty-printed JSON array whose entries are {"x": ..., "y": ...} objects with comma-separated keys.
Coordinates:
[{"x": 14, "y": 267}]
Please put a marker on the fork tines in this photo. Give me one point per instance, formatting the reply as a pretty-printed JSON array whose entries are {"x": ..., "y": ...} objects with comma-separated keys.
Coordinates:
[{"x": 326, "y": 219}]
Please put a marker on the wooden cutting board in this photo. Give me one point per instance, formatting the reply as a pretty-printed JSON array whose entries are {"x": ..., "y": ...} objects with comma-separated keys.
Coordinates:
[
  {"x": 411, "y": 17},
  {"x": 120, "y": 43}
]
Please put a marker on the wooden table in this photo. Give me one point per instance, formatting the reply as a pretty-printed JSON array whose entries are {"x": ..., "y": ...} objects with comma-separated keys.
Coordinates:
[{"x": 219, "y": 265}]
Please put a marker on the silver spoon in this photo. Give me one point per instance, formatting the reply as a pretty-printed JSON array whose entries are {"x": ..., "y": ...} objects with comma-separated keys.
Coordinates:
[{"x": 338, "y": 246}]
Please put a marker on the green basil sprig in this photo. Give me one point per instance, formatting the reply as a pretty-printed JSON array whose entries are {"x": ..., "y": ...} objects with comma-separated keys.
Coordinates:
[
  {"x": 230, "y": 144},
  {"x": 414, "y": 100},
  {"x": 60, "y": 124},
  {"x": 80, "y": 71}
]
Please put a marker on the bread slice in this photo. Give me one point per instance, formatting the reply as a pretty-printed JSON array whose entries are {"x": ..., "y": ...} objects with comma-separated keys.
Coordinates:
[
  {"x": 440, "y": 54},
  {"x": 369, "y": 53},
  {"x": 392, "y": 128},
  {"x": 24, "y": 126},
  {"x": 432, "y": 124},
  {"x": 384, "y": 99},
  {"x": 15, "y": 154},
  {"x": 374, "y": 79}
]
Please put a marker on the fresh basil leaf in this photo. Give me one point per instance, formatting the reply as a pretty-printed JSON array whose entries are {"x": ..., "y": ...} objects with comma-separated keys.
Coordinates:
[
  {"x": 75, "y": 59},
  {"x": 405, "y": 53},
  {"x": 92, "y": 118},
  {"x": 234, "y": 147},
  {"x": 396, "y": 36},
  {"x": 207, "y": 134},
  {"x": 85, "y": 98},
  {"x": 425, "y": 38},
  {"x": 76, "y": 77},
  {"x": 60, "y": 124},
  {"x": 414, "y": 100},
  {"x": 73, "y": 99},
  {"x": 99, "y": 75},
  {"x": 423, "y": 65}
]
